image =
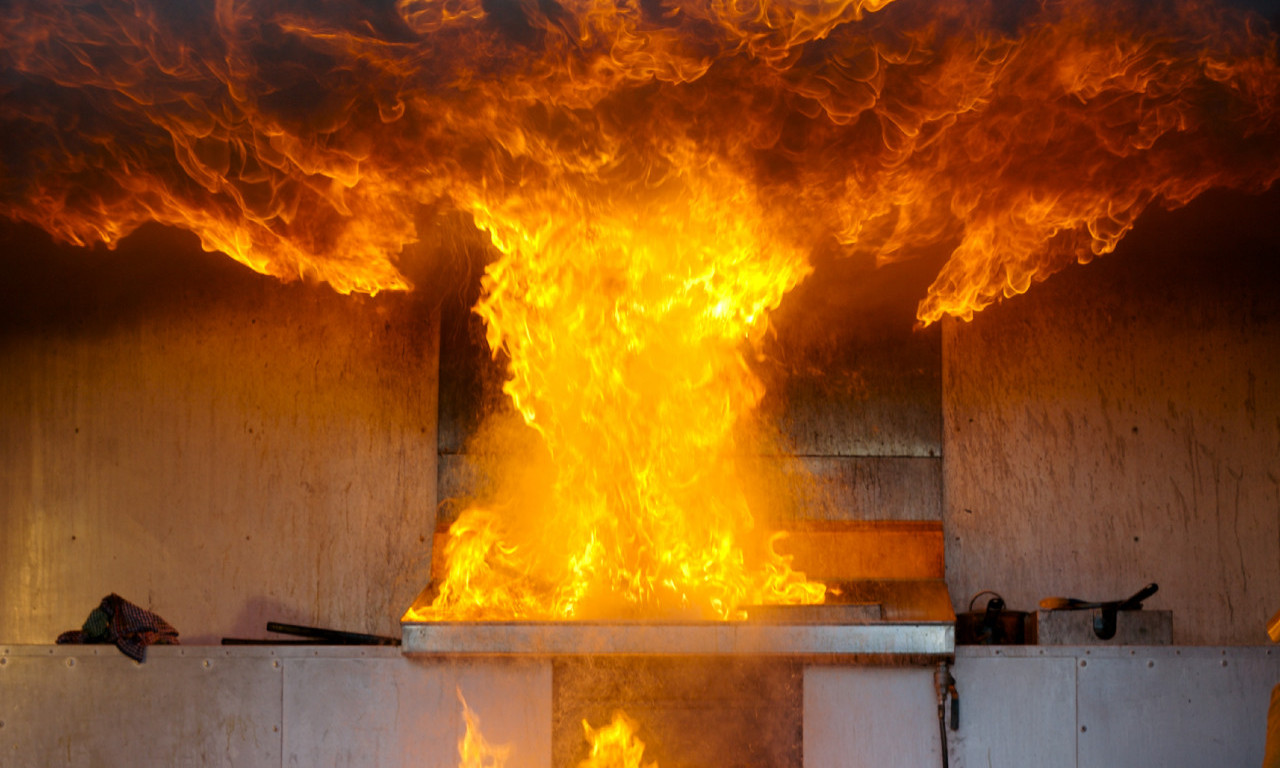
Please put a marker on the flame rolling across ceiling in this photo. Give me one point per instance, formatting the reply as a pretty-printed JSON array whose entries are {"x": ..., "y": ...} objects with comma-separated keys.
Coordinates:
[{"x": 653, "y": 177}]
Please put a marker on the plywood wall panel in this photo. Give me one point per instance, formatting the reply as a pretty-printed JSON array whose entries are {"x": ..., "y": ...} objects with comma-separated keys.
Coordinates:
[
  {"x": 393, "y": 712},
  {"x": 218, "y": 446},
  {"x": 1120, "y": 424}
]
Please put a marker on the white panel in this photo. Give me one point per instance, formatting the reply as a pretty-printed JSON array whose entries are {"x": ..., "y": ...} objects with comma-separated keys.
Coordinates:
[
  {"x": 92, "y": 706},
  {"x": 1015, "y": 712},
  {"x": 402, "y": 712},
  {"x": 870, "y": 716},
  {"x": 1188, "y": 707}
]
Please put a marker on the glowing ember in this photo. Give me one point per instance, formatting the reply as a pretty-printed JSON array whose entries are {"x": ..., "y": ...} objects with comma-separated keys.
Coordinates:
[{"x": 653, "y": 176}]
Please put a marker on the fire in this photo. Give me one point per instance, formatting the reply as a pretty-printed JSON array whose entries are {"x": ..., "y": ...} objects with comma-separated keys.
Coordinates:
[
  {"x": 473, "y": 750},
  {"x": 614, "y": 745},
  {"x": 653, "y": 177},
  {"x": 625, "y": 322}
]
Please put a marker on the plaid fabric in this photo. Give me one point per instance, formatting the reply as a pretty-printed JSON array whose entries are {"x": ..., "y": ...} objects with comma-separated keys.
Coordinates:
[{"x": 119, "y": 621}]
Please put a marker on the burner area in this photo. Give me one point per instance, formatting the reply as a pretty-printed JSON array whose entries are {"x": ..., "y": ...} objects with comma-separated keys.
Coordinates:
[{"x": 750, "y": 692}]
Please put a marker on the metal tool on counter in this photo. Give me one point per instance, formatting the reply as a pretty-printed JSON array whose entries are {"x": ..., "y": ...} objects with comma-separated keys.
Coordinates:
[
  {"x": 1104, "y": 622},
  {"x": 993, "y": 625},
  {"x": 313, "y": 636},
  {"x": 331, "y": 636}
]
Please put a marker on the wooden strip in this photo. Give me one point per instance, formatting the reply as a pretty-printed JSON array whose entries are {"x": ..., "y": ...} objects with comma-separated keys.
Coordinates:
[{"x": 867, "y": 550}]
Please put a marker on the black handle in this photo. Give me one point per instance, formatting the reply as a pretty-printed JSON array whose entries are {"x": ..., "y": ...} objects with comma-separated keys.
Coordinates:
[
  {"x": 1104, "y": 622},
  {"x": 1135, "y": 602},
  {"x": 332, "y": 636}
]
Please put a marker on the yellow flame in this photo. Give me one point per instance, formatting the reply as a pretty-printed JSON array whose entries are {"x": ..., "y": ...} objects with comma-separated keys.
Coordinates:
[
  {"x": 625, "y": 323},
  {"x": 473, "y": 750},
  {"x": 611, "y": 746},
  {"x": 614, "y": 745}
]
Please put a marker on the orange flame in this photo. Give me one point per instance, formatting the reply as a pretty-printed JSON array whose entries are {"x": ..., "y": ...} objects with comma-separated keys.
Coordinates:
[
  {"x": 301, "y": 138},
  {"x": 653, "y": 176}
]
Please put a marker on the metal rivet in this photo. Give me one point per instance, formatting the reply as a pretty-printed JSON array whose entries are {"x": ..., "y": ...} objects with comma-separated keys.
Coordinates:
[
  {"x": 1084, "y": 728},
  {"x": 4, "y": 661},
  {"x": 275, "y": 729},
  {"x": 1150, "y": 664},
  {"x": 276, "y": 663},
  {"x": 1224, "y": 662},
  {"x": 206, "y": 663},
  {"x": 71, "y": 662},
  {"x": 1084, "y": 663}
]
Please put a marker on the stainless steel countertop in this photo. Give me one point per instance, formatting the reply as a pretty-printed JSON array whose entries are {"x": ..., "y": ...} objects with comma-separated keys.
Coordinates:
[
  {"x": 914, "y": 619},
  {"x": 703, "y": 638}
]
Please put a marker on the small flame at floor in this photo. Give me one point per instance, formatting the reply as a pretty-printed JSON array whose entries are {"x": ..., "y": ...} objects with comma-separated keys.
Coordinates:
[
  {"x": 473, "y": 750},
  {"x": 612, "y": 746}
]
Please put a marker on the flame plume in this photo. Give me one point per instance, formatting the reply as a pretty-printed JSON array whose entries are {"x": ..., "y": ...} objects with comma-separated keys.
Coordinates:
[
  {"x": 652, "y": 175},
  {"x": 624, "y": 324}
]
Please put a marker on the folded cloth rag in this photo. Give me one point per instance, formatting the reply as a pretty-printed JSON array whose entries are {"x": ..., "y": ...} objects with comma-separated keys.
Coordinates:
[{"x": 119, "y": 621}]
